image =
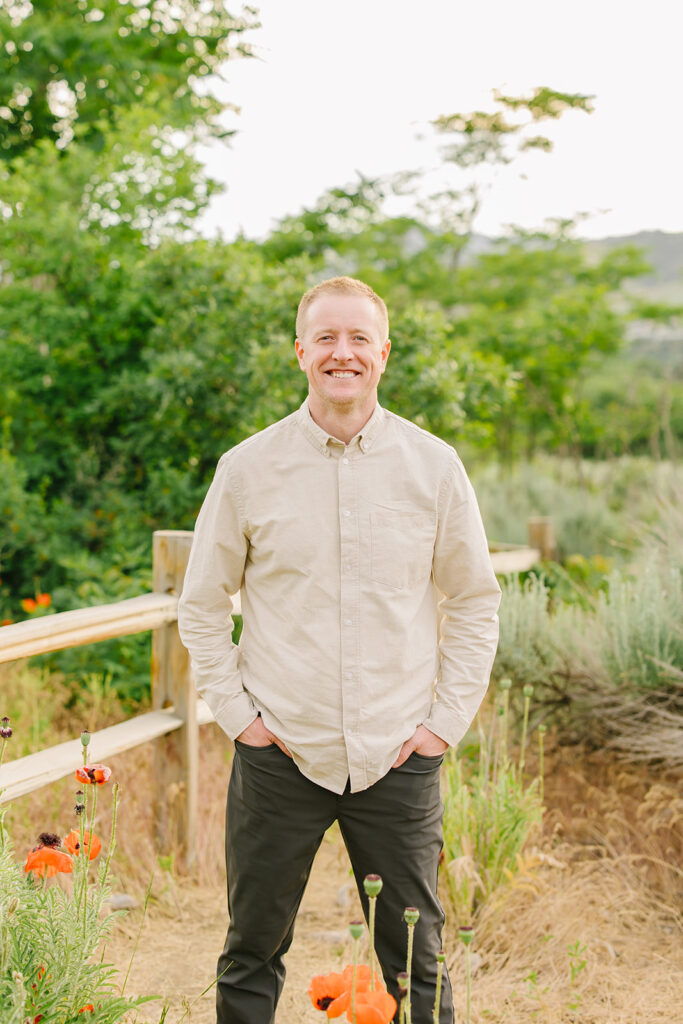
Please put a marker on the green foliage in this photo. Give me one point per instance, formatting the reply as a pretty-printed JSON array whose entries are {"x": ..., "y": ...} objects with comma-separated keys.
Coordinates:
[
  {"x": 72, "y": 67},
  {"x": 490, "y": 811},
  {"x": 609, "y": 665},
  {"x": 49, "y": 941}
]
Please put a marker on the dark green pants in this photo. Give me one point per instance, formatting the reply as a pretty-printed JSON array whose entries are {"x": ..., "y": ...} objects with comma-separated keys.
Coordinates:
[{"x": 275, "y": 822}]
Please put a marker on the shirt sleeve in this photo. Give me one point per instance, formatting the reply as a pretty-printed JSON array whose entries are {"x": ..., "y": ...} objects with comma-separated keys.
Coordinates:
[
  {"x": 214, "y": 572},
  {"x": 468, "y": 632}
]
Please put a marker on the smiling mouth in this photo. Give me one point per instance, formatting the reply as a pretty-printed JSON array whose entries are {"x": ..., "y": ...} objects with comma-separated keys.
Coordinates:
[{"x": 342, "y": 374}]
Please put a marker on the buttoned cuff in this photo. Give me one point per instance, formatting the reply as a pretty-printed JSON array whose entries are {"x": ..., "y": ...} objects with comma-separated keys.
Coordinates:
[{"x": 445, "y": 724}]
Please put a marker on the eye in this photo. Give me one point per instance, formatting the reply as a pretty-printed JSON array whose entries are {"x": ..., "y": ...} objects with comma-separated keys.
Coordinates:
[{"x": 360, "y": 337}]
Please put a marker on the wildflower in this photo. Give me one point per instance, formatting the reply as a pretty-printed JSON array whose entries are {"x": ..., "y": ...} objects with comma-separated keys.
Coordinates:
[
  {"x": 5, "y": 728},
  {"x": 28, "y": 604},
  {"x": 73, "y": 844},
  {"x": 325, "y": 988},
  {"x": 6, "y": 622},
  {"x": 374, "y": 1008},
  {"x": 44, "y": 600},
  {"x": 93, "y": 774},
  {"x": 46, "y": 859},
  {"x": 332, "y": 992},
  {"x": 89, "y": 1008}
]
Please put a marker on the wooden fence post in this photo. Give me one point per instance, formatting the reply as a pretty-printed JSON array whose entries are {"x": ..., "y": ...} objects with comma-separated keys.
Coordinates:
[
  {"x": 176, "y": 755},
  {"x": 542, "y": 535}
]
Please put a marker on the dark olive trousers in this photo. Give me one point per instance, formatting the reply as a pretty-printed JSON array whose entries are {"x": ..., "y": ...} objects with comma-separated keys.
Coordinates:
[{"x": 275, "y": 822}]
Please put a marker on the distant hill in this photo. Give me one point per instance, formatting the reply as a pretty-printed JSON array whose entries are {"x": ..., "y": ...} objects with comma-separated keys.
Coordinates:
[{"x": 663, "y": 250}]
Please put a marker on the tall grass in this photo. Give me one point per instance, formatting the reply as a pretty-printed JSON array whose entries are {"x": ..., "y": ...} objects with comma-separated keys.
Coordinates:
[
  {"x": 609, "y": 667},
  {"x": 490, "y": 811},
  {"x": 596, "y": 507}
]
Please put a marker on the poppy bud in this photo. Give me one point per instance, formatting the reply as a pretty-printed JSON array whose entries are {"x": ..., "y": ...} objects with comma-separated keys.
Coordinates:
[
  {"x": 372, "y": 885},
  {"x": 356, "y": 929},
  {"x": 411, "y": 915},
  {"x": 85, "y": 738}
]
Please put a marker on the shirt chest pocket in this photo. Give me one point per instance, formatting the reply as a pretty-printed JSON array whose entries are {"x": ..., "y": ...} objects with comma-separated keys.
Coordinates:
[{"x": 401, "y": 547}]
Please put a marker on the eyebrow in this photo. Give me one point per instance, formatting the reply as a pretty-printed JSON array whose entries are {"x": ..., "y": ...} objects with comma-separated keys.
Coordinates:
[{"x": 333, "y": 330}]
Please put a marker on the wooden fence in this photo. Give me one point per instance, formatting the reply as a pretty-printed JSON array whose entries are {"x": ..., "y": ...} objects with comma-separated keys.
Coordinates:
[{"x": 177, "y": 712}]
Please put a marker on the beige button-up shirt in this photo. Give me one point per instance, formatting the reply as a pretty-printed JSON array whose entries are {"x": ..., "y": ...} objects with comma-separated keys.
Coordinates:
[{"x": 368, "y": 598}]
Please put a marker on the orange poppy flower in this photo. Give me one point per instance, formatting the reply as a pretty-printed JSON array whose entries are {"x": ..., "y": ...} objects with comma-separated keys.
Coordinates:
[
  {"x": 89, "y": 1008},
  {"x": 93, "y": 774},
  {"x": 28, "y": 604},
  {"x": 376, "y": 1007},
  {"x": 73, "y": 844},
  {"x": 45, "y": 860},
  {"x": 324, "y": 989},
  {"x": 362, "y": 977},
  {"x": 44, "y": 600}
]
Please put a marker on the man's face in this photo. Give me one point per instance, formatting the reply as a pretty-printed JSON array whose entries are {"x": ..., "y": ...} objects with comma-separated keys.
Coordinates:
[{"x": 342, "y": 352}]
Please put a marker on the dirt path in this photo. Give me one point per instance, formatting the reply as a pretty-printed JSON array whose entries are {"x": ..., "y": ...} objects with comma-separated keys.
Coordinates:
[{"x": 176, "y": 956}]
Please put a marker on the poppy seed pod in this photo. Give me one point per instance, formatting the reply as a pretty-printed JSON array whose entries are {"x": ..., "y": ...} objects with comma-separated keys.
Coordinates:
[
  {"x": 5, "y": 729},
  {"x": 528, "y": 690},
  {"x": 411, "y": 915},
  {"x": 466, "y": 933},
  {"x": 85, "y": 738},
  {"x": 372, "y": 885},
  {"x": 356, "y": 929}
]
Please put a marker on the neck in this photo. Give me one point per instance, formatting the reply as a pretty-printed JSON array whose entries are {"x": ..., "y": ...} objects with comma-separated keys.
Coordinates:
[{"x": 340, "y": 421}]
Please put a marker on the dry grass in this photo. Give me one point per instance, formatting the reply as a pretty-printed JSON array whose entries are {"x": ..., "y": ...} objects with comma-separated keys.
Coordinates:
[{"x": 605, "y": 873}]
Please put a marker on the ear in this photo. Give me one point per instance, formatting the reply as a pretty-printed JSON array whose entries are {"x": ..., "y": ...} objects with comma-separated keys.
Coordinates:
[
  {"x": 299, "y": 349},
  {"x": 386, "y": 348}
]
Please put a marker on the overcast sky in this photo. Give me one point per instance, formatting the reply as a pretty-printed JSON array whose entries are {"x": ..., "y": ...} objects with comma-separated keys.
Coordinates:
[{"x": 345, "y": 87}]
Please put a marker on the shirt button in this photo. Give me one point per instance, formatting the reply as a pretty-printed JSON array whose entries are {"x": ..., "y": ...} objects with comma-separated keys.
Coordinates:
[
  {"x": 345, "y": 461},
  {"x": 347, "y": 513},
  {"x": 348, "y": 622}
]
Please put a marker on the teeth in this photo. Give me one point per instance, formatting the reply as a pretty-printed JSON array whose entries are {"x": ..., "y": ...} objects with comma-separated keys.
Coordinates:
[{"x": 342, "y": 373}]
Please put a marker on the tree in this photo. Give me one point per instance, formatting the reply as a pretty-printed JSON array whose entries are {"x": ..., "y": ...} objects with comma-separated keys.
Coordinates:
[{"x": 72, "y": 68}]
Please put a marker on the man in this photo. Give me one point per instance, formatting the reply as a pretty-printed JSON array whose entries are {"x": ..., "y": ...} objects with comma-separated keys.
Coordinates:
[{"x": 369, "y": 630}]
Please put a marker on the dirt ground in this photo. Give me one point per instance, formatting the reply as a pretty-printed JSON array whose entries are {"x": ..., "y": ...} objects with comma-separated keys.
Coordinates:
[{"x": 177, "y": 954}]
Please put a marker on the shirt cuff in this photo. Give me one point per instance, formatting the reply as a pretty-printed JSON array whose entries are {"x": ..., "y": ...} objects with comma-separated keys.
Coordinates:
[
  {"x": 234, "y": 717},
  {"x": 446, "y": 725}
]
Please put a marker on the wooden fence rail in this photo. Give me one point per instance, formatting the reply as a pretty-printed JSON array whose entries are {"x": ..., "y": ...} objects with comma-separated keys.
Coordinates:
[{"x": 177, "y": 712}]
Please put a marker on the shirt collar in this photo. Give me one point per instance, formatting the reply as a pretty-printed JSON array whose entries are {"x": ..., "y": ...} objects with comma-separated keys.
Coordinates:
[{"x": 320, "y": 438}]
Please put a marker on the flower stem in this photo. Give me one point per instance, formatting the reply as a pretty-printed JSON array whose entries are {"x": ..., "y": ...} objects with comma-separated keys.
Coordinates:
[
  {"x": 353, "y": 981},
  {"x": 112, "y": 840},
  {"x": 440, "y": 958},
  {"x": 371, "y": 926},
  {"x": 468, "y": 983},
  {"x": 411, "y": 916},
  {"x": 527, "y": 691}
]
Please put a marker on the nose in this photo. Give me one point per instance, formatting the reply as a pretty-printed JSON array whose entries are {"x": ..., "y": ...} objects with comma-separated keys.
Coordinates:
[{"x": 342, "y": 349}]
